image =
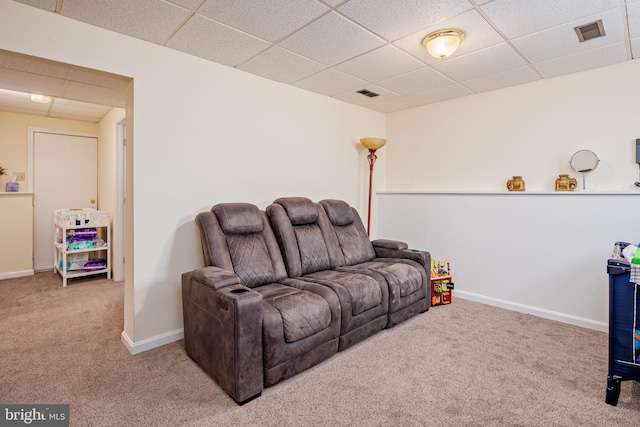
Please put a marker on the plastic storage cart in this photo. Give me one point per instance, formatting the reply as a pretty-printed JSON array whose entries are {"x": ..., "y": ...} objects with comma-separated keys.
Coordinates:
[
  {"x": 81, "y": 243},
  {"x": 624, "y": 321}
]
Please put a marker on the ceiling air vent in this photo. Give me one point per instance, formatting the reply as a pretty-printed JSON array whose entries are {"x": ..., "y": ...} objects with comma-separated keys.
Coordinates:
[
  {"x": 368, "y": 93},
  {"x": 590, "y": 31}
]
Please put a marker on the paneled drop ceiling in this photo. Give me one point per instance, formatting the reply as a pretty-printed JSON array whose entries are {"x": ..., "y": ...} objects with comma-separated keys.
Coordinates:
[
  {"x": 338, "y": 47},
  {"x": 76, "y": 93}
]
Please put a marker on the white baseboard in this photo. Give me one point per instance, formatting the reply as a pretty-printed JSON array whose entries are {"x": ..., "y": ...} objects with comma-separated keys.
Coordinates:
[
  {"x": 535, "y": 311},
  {"x": 151, "y": 343},
  {"x": 14, "y": 274}
]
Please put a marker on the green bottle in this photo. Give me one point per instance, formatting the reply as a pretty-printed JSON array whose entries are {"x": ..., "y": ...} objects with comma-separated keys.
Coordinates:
[{"x": 636, "y": 257}]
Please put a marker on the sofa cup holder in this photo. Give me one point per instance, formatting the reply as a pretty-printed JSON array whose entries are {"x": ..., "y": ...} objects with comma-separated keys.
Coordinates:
[{"x": 239, "y": 291}]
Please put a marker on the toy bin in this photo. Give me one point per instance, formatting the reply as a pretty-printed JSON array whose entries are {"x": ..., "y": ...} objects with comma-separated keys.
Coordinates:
[
  {"x": 441, "y": 283},
  {"x": 624, "y": 328}
]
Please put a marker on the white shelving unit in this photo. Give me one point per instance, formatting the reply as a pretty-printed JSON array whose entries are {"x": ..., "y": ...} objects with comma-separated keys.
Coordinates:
[{"x": 69, "y": 256}]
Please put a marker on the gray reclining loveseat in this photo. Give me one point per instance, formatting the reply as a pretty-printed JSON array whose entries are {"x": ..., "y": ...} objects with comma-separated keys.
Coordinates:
[{"x": 285, "y": 289}]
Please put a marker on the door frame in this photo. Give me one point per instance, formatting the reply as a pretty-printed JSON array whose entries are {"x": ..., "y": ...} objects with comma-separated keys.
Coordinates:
[{"x": 118, "y": 230}]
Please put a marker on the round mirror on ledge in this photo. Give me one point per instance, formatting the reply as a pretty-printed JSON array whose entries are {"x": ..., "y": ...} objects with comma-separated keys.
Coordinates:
[{"x": 584, "y": 161}]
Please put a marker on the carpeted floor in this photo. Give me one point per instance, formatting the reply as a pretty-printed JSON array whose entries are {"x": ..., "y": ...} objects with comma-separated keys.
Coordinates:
[{"x": 466, "y": 364}]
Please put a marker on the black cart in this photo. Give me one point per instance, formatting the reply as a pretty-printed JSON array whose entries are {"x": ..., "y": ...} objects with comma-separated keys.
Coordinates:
[{"x": 624, "y": 322}]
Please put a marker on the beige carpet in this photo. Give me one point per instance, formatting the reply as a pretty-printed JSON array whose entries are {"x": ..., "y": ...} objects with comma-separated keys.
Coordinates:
[{"x": 466, "y": 364}]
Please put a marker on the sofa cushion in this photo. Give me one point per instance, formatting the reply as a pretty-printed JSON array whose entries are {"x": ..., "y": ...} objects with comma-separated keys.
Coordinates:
[
  {"x": 251, "y": 260},
  {"x": 352, "y": 242},
  {"x": 300, "y": 210},
  {"x": 303, "y": 313},
  {"x": 406, "y": 277},
  {"x": 313, "y": 251},
  {"x": 238, "y": 218},
  {"x": 302, "y": 244},
  {"x": 364, "y": 290}
]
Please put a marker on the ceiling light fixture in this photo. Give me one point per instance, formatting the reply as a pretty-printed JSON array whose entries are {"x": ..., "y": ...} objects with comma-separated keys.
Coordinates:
[
  {"x": 443, "y": 43},
  {"x": 40, "y": 98}
]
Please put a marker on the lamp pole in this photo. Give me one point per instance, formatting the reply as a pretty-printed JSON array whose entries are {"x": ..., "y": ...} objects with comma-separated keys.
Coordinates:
[
  {"x": 372, "y": 160},
  {"x": 371, "y": 144}
]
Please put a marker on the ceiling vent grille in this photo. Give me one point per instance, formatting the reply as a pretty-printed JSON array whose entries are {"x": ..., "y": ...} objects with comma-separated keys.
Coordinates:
[
  {"x": 368, "y": 93},
  {"x": 590, "y": 31}
]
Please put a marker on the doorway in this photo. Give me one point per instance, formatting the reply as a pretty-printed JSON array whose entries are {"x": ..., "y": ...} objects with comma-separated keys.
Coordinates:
[{"x": 64, "y": 176}]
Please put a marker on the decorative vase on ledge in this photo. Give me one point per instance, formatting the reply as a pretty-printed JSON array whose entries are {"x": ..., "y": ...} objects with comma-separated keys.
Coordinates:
[
  {"x": 515, "y": 184},
  {"x": 564, "y": 183}
]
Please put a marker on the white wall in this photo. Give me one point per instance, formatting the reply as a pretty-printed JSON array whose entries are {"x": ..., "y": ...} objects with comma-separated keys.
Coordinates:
[
  {"x": 202, "y": 134},
  {"x": 540, "y": 253},
  {"x": 480, "y": 141}
]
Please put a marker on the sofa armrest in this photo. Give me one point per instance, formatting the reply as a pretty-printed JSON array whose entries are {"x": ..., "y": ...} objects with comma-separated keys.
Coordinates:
[
  {"x": 389, "y": 244},
  {"x": 388, "y": 251},
  {"x": 215, "y": 277},
  {"x": 223, "y": 331}
]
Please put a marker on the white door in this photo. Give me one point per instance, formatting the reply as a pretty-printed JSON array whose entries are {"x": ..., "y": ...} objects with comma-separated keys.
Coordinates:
[{"x": 64, "y": 176}]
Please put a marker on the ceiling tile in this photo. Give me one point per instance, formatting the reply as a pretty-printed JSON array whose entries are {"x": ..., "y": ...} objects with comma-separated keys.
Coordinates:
[
  {"x": 416, "y": 81},
  {"x": 49, "y": 5},
  {"x": 189, "y": 4},
  {"x": 330, "y": 82},
  {"x": 441, "y": 94},
  {"x": 20, "y": 100},
  {"x": 396, "y": 104},
  {"x": 504, "y": 79},
  {"x": 32, "y": 83},
  {"x": 380, "y": 64},
  {"x": 282, "y": 65},
  {"x": 478, "y": 35},
  {"x": 268, "y": 19},
  {"x": 98, "y": 78},
  {"x": 356, "y": 98},
  {"x": 563, "y": 40},
  {"x": 77, "y": 111},
  {"x": 583, "y": 61},
  {"x": 633, "y": 17},
  {"x": 487, "y": 61},
  {"x": 517, "y": 18},
  {"x": 151, "y": 20},
  {"x": 94, "y": 94},
  {"x": 68, "y": 103},
  {"x": 393, "y": 19},
  {"x": 231, "y": 47},
  {"x": 33, "y": 65},
  {"x": 13, "y": 109},
  {"x": 331, "y": 39}
]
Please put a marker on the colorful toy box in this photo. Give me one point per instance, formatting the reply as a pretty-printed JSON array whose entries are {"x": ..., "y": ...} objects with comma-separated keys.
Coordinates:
[{"x": 441, "y": 283}]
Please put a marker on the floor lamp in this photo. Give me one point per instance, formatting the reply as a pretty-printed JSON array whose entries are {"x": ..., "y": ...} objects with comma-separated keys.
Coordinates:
[{"x": 371, "y": 144}]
